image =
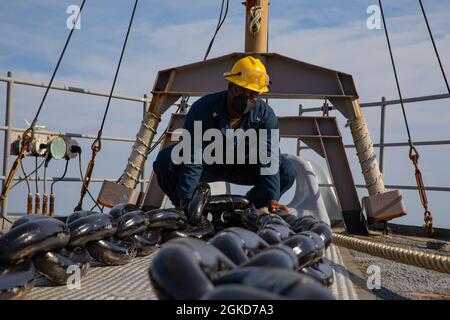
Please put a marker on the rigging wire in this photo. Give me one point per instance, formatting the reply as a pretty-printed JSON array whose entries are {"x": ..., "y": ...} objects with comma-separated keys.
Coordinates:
[
  {"x": 219, "y": 25},
  {"x": 396, "y": 76},
  {"x": 47, "y": 160},
  {"x": 36, "y": 176},
  {"x": 25, "y": 178},
  {"x": 33, "y": 123},
  {"x": 60, "y": 178},
  {"x": 100, "y": 131},
  {"x": 28, "y": 135},
  {"x": 44, "y": 195},
  {"x": 97, "y": 145},
  {"x": 413, "y": 153},
  {"x": 434, "y": 46}
]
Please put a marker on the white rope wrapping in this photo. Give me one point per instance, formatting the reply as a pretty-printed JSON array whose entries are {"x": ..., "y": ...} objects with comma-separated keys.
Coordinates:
[
  {"x": 367, "y": 156},
  {"x": 140, "y": 150},
  {"x": 255, "y": 19}
]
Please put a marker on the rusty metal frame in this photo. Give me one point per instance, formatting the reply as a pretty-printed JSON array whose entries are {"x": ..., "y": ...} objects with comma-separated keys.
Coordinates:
[
  {"x": 319, "y": 133},
  {"x": 291, "y": 79}
]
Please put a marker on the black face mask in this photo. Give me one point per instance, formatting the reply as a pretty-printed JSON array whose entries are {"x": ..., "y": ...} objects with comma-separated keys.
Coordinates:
[{"x": 242, "y": 104}]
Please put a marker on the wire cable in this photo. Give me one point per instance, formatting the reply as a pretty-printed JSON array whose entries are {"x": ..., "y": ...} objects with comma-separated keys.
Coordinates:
[
  {"x": 396, "y": 76},
  {"x": 413, "y": 153},
  {"x": 96, "y": 145},
  {"x": 47, "y": 160},
  {"x": 219, "y": 25},
  {"x": 434, "y": 46},
  {"x": 27, "y": 139},
  {"x": 100, "y": 131},
  {"x": 27, "y": 176},
  {"x": 33, "y": 123},
  {"x": 36, "y": 171},
  {"x": 60, "y": 178}
]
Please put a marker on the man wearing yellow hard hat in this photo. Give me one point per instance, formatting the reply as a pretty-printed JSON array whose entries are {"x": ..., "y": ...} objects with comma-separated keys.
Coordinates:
[{"x": 239, "y": 107}]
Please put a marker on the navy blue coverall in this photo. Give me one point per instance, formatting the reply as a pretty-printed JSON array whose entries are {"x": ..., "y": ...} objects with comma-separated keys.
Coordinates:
[{"x": 178, "y": 181}]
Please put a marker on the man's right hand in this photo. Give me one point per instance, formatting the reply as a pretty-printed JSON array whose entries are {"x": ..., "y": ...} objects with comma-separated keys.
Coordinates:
[{"x": 274, "y": 206}]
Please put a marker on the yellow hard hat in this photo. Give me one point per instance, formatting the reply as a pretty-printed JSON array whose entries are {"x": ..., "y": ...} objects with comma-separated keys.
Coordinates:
[{"x": 249, "y": 73}]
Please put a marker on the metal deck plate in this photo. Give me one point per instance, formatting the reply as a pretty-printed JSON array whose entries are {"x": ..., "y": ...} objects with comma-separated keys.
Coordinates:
[
  {"x": 131, "y": 282},
  {"x": 125, "y": 282}
]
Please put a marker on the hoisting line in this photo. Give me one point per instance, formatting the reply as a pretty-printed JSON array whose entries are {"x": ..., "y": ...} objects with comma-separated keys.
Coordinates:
[
  {"x": 413, "y": 153},
  {"x": 219, "y": 25},
  {"x": 28, "y": 135},
  {"x": 52, "y": 195},
  {"x": 29, "y": 196},
  {"x": 434, "y": 46},
  {"x": 97, "y": 144}
]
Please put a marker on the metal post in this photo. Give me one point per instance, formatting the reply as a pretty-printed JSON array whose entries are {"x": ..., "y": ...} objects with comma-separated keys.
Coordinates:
[
  {"x": 8, "y": 133},
  {"x": 382, "y": 131},
  {"x": 145, "y": 106},
  {"x": 299, "y": 142},
  {"x": 256, "y": 26},
  {"x": 365, "y": 152}
]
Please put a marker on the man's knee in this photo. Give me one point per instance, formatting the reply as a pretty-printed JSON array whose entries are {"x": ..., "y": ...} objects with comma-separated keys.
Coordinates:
[
  {"x": 163, "y": 161},
  {"x": 287, "y": 173}
]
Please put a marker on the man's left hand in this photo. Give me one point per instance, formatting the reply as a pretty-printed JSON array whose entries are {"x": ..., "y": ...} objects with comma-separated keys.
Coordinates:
[{"x": 274, "y": 206}]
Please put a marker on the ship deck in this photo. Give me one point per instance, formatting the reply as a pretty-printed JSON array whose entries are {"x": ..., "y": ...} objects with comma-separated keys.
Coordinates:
[
  {"x": 131, "y": 282},
  {"x": 398, "y": 281}
]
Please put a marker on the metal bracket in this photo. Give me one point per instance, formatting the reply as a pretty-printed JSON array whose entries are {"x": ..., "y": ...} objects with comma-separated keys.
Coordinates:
[
  {"x": 384, "y": 206},
  {"x": 112, "y": 193}
]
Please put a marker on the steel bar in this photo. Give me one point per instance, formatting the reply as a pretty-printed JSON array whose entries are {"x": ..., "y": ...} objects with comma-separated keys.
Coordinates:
[
  {"x": 400, "y": 144},
  {"x": 8, "y": 133},
  {"x": 66, "y": 179},
  {"x": 403, "y": 187},
  {"x": 68, "y": 88},
  {"x": 382, "y": 132},
  {"x": 392, "y": 102}
]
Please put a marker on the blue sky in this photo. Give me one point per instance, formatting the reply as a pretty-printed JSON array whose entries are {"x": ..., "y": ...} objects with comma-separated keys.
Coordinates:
[{"x": 170, "y": 33}]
